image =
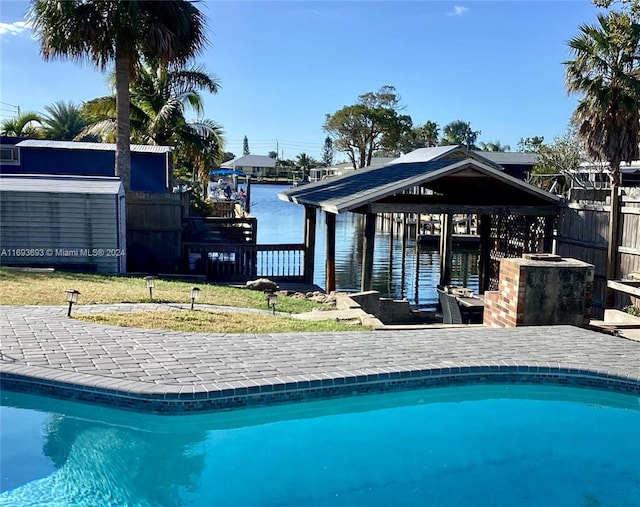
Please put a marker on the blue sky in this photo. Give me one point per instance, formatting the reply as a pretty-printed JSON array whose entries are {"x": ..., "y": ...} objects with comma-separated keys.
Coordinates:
[{"x": 283, "y": 65}]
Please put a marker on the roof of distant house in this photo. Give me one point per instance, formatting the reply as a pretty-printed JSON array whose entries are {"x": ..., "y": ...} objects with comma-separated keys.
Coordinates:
[
  {"x": 510, "y": 157},
  {"x": 251, "y": 161},
  {"x": 60, "y": 184},
  {"x": 78, "y": 145},
  {"x": 375, "y": 162}
]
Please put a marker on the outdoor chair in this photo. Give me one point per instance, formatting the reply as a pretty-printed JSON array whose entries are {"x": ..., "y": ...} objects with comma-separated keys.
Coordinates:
[{"x": 451, "y": 313}]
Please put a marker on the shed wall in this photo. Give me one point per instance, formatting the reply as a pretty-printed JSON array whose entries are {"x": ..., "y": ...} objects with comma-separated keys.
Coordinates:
[{"x": 64, "y": 230}]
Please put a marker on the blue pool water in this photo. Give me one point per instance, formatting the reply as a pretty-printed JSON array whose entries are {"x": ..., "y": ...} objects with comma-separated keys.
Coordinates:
[{"x": 463, "y": 446}]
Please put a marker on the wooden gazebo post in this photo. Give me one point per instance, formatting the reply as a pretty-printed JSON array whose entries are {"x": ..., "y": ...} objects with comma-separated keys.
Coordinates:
[
  {"x": 330, "y": 253},
  {"x": 484, "y": 227},
  {"x": 309, "y": 243},
  {"x": 446, "y": 243},
  {"x": 367, "y": 251}
]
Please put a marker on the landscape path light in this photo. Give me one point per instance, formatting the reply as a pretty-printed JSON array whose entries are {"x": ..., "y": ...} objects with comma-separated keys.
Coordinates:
[
  {"x": 72, "y": 297},
  {"x": 150, "y": 284},
  {"x": 195, "y": 292},
  {"x": 272, "y": 300}
]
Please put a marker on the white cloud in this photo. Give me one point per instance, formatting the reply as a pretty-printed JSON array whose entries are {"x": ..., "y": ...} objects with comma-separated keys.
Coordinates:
[
  {"x": 458, "y": 10},
  {"x": 15, "y": 28}
]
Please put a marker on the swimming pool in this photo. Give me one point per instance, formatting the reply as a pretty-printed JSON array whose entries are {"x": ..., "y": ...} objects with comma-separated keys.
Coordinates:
[{"x": 474, "y": 445}]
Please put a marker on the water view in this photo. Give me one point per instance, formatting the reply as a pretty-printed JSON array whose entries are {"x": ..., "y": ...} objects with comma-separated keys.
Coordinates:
[{"x": 415, "y": 277}]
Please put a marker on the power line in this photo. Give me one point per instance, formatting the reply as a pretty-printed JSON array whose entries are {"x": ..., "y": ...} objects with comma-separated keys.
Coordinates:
[{"x": 15, "y": 109}]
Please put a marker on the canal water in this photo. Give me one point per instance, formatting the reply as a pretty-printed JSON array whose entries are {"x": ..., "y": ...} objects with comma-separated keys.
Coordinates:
[{"x": 414, "y": 279}]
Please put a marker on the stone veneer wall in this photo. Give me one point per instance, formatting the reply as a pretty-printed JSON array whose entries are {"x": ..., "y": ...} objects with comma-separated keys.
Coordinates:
[{"x": 540, "y": 290}]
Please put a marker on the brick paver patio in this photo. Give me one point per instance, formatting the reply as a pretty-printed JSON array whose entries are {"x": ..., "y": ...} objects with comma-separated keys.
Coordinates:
[{"x": 45, "y": 352}]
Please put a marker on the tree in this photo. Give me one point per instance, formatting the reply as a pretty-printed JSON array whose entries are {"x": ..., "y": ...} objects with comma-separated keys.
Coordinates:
[
  {"x": 430, "y": 132},
  {"x": 160, "y": 95},
  {"x": 372, "y": 124},
  {"x": 245, "y": 146},
  {"x": 119, "y": 32},
  {"x": 418, "y": 137},
  {"x": 606, "y": 72},
  {"x": 27, "y": 124},
  {"x": 305, "y": 162},
  {"x": 630, "y": 6},
  {"x": 64, "y": 121},
  {"x": 530, "y": 144},
  {"x": 494, "y": 146},
  {"x": 327, "y": 152},
  {"x": 227, "y": 156},
  {"x": 459, "y": 132},
  {"x": 272, "y": 154},
  {"x": 558, "y": 163}
]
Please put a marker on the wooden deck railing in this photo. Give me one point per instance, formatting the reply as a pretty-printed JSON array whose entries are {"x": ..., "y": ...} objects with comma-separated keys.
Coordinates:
[
  {"x": 242, "y": 262},
  {"x": 281, "y": 262}
]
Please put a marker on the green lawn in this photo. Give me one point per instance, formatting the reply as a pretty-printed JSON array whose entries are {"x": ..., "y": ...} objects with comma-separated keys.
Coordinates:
[
  {"x": 215, "y": 322},
  {"x": 19, "y": 287}
]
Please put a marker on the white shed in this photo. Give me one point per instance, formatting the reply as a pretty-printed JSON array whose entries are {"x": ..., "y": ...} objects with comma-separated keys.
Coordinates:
[{"x": 66, "y": 222}]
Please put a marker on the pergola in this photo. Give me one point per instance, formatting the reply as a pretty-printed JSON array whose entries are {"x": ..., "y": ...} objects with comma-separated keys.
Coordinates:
[{"x": 514, "y": 217}]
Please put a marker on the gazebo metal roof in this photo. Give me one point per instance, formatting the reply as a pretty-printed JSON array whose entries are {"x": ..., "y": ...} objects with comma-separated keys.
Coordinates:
[{"x": 461, "y": 181}]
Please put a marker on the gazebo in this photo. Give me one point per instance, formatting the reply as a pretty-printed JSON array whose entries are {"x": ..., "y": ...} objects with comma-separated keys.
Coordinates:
[{"x": 513, "y": 216}]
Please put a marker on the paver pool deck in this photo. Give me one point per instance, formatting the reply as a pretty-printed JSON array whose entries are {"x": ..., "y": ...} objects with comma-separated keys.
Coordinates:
[{"x": 45, "y": 352}]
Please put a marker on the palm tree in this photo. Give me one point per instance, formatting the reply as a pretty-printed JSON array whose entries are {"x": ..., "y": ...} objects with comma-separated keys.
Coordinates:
[
  {"x": 27, "y": 124},
  {"x": 430, "y": 132},
  {"x": 159, "y": 98},
  {"x": 63, "y": 121},
  {"x": 459, "y": 132},
  {"x": 494, "y": 146},
  {"x": 606, "y": 71},
  {"x": 304, "y": 161},
  {"x": 119, "y": 32}
]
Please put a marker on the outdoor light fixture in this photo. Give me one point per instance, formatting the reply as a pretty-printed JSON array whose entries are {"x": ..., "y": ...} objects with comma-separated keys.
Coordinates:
[
  {"x": 72, "y": 297},
  {"x": 272, "y": 300},
  {"x": 150, "y": 284},
  {"x": 195, "y": 291}
]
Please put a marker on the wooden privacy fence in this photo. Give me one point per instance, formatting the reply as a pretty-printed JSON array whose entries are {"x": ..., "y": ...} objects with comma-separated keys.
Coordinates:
[
  {"x": 583, "y": 229},
  {"x": 154, "y": 230}
]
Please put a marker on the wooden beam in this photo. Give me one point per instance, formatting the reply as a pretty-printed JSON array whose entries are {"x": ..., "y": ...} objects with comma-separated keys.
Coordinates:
[
  {"x": 403, "y": 258},
  {"x": 330, "y": 255},
  {"x": 309, "y": 243},
  {"x": 612, "y": 250},
  {"x": 626, "y": 288},
  {"x": 485, "y": 252},
  {"x": 580, "y": 243},
  {"x": 391, "y": 239},
  {"x": 367, "y": 251},
  {"x": 549, "y": 227},
  {"x": 446, "y": 237},
  {"x": 378, "y": 207},
  {"x": 628, "y": 250}
]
